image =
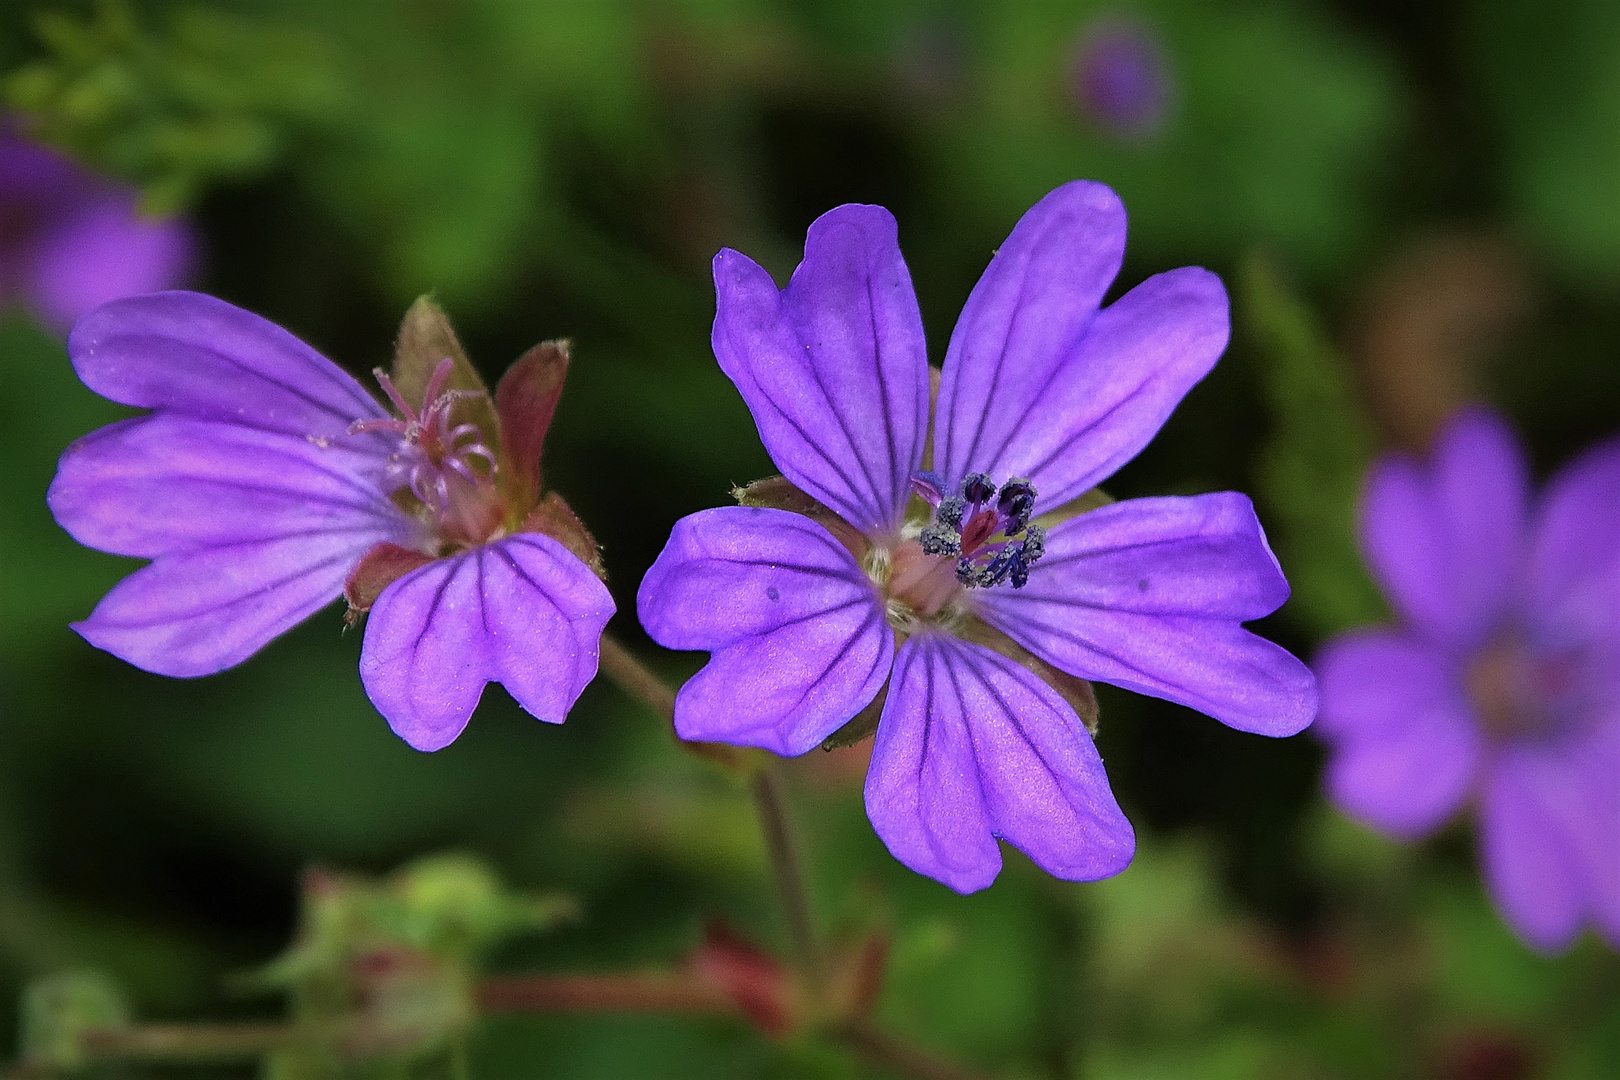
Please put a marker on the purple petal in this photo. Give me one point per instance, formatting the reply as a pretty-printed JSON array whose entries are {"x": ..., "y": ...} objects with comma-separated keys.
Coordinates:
[
  {"x": 252, "y": 533},
  {"x": 1038, "y": 383},
  {"x": 1550, "y": 823},
  {"x": 105, "y": 251},
  {"x": 1574, "y": 577},
  {"x": 161, "y": 484},
  {"x": 521, "y": 611},
  {"x": 1445, "y": 538},
  {"x": 198, "y": 612},
  {"x": 833, "y": 367},
  {"x": 1150, "y": 594},
  {"x": 798, "y": 633},
  {"x": 1406, "y": 748},
  {"x": 192, "y": 354},
  {"x": 973, "y": 746}
]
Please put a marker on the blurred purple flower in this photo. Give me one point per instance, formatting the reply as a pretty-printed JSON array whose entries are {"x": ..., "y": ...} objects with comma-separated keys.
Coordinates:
[
  {"x": 266, "y": 482},
  {"x": 70, "y": 241},
  {"x": 1502, "y": 683},
  {"x": 1042, "y": 396},
  {"x": 1120, "y": 79}
]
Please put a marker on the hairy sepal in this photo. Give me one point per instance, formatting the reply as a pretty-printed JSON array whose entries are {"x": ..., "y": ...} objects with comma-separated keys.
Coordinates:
[
  {"x": 426, "y": 338},
  {"x": 377, "y": 569},
  {"x": 779, "y": 493},
  {"x": 556, "y": 519},
  {"x": 526, "y": 400}
]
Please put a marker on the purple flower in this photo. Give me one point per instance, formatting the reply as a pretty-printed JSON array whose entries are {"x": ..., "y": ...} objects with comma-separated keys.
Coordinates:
[
  {"x": 1501, "y": 686},
  {"x": 70, "y": 242},
  {"x": 266, "y": 482},
  {"x": 1120, "y": 79},
  {"x": 954, "y": 566}
]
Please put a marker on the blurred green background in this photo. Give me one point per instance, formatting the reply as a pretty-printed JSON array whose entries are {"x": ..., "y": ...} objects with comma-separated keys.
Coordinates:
[{"x": 1413, "y": 204}]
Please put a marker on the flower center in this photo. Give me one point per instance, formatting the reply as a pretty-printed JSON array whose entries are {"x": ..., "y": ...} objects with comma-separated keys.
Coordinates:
[
  {"x": 446, "y": 468},
  {"x": 985, "y": 529},
  {"x": 1520, "y": 693},
  {"x": 976, "y": 539}
]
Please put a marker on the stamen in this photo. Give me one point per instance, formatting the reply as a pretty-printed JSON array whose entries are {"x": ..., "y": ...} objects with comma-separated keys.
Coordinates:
[
  {"x": 978, "y": 488},
  {"x": 449, "y": 469},
  {"x": 435, "y": 383},
  {"x": 394, "y": 395},
  {"x": 983, "y": 560}
]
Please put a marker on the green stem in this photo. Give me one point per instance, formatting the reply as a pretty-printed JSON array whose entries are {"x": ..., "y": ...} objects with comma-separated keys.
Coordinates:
[
  {"x": 646, "y": 686},
  {"x": 641, "y": 683},
  {"x": 788, "y": 868}
]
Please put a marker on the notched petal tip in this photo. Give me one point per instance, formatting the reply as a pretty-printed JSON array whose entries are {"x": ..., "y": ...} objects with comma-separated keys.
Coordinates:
[
  {"x": 521, "y": 611},
  {"x": 972, "y": 748}
]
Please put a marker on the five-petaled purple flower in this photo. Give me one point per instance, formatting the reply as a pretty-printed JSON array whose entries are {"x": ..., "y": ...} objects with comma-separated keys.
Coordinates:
[
  {"x": 70, "y": 242},
  {"x": 1502, "y": 683},
  {"x": 955, "y": 567},
  {"x": 266, "y": 482}
]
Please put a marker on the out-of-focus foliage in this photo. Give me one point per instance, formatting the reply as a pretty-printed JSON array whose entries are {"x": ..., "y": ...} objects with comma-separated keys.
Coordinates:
[
  {"x": 1277, "y": 126},
  {"x": 1310, "y": 471},
  {"x": 569, "y": 168},
  {"x": 1550, "y": 75},
  {"x": 210, "y": 97}
]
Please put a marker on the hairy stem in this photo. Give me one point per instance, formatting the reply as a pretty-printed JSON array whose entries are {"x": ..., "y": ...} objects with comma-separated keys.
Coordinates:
[
  {"x": 647, "y": 687},
  {"x": 788, "y": 868}
]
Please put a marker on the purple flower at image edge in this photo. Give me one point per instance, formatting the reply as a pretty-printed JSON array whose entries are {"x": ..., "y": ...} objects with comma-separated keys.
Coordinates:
[
  {"x": 950, "y": 578},
  {"x": 1500, "y": 686},
  {"x": 265, "y": 483},
  {"x": 71, "y": 241}
]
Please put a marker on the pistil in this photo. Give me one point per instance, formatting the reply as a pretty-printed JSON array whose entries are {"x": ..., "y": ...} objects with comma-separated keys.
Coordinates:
[{"x": 448, "y": 469}]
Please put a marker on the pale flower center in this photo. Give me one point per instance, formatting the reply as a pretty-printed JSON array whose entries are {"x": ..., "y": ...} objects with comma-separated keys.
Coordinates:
[{"x": 1519, "y": 693}]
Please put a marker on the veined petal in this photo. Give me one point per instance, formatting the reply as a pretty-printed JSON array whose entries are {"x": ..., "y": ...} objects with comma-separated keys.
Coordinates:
[
  {"x": 103, "y": 252},
  {"x": 1406, "y": 745},
  {"x": 198, "y": 612},
  {"x": 973, "y": 746},
  {"x": 1445, "y": 538},
  {"x": 187, "y": 353},
  {"x": 798, "y": 633},
  {"x": 1150, "y": 594},
  {"x": 834, "y": 367},
  {"x": 521, "y": 611},
  {"x": 252, "y": 532},
  {"x": 163, "y": 483},
  {"x": 1039, "y": 383}
]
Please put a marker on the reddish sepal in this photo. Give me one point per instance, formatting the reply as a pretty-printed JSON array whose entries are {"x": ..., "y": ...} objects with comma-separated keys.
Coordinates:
[
  {"x": 379, "y": 568},
  {"x": 556, "y": 519},
  {"x": 526, "y": 399}
]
